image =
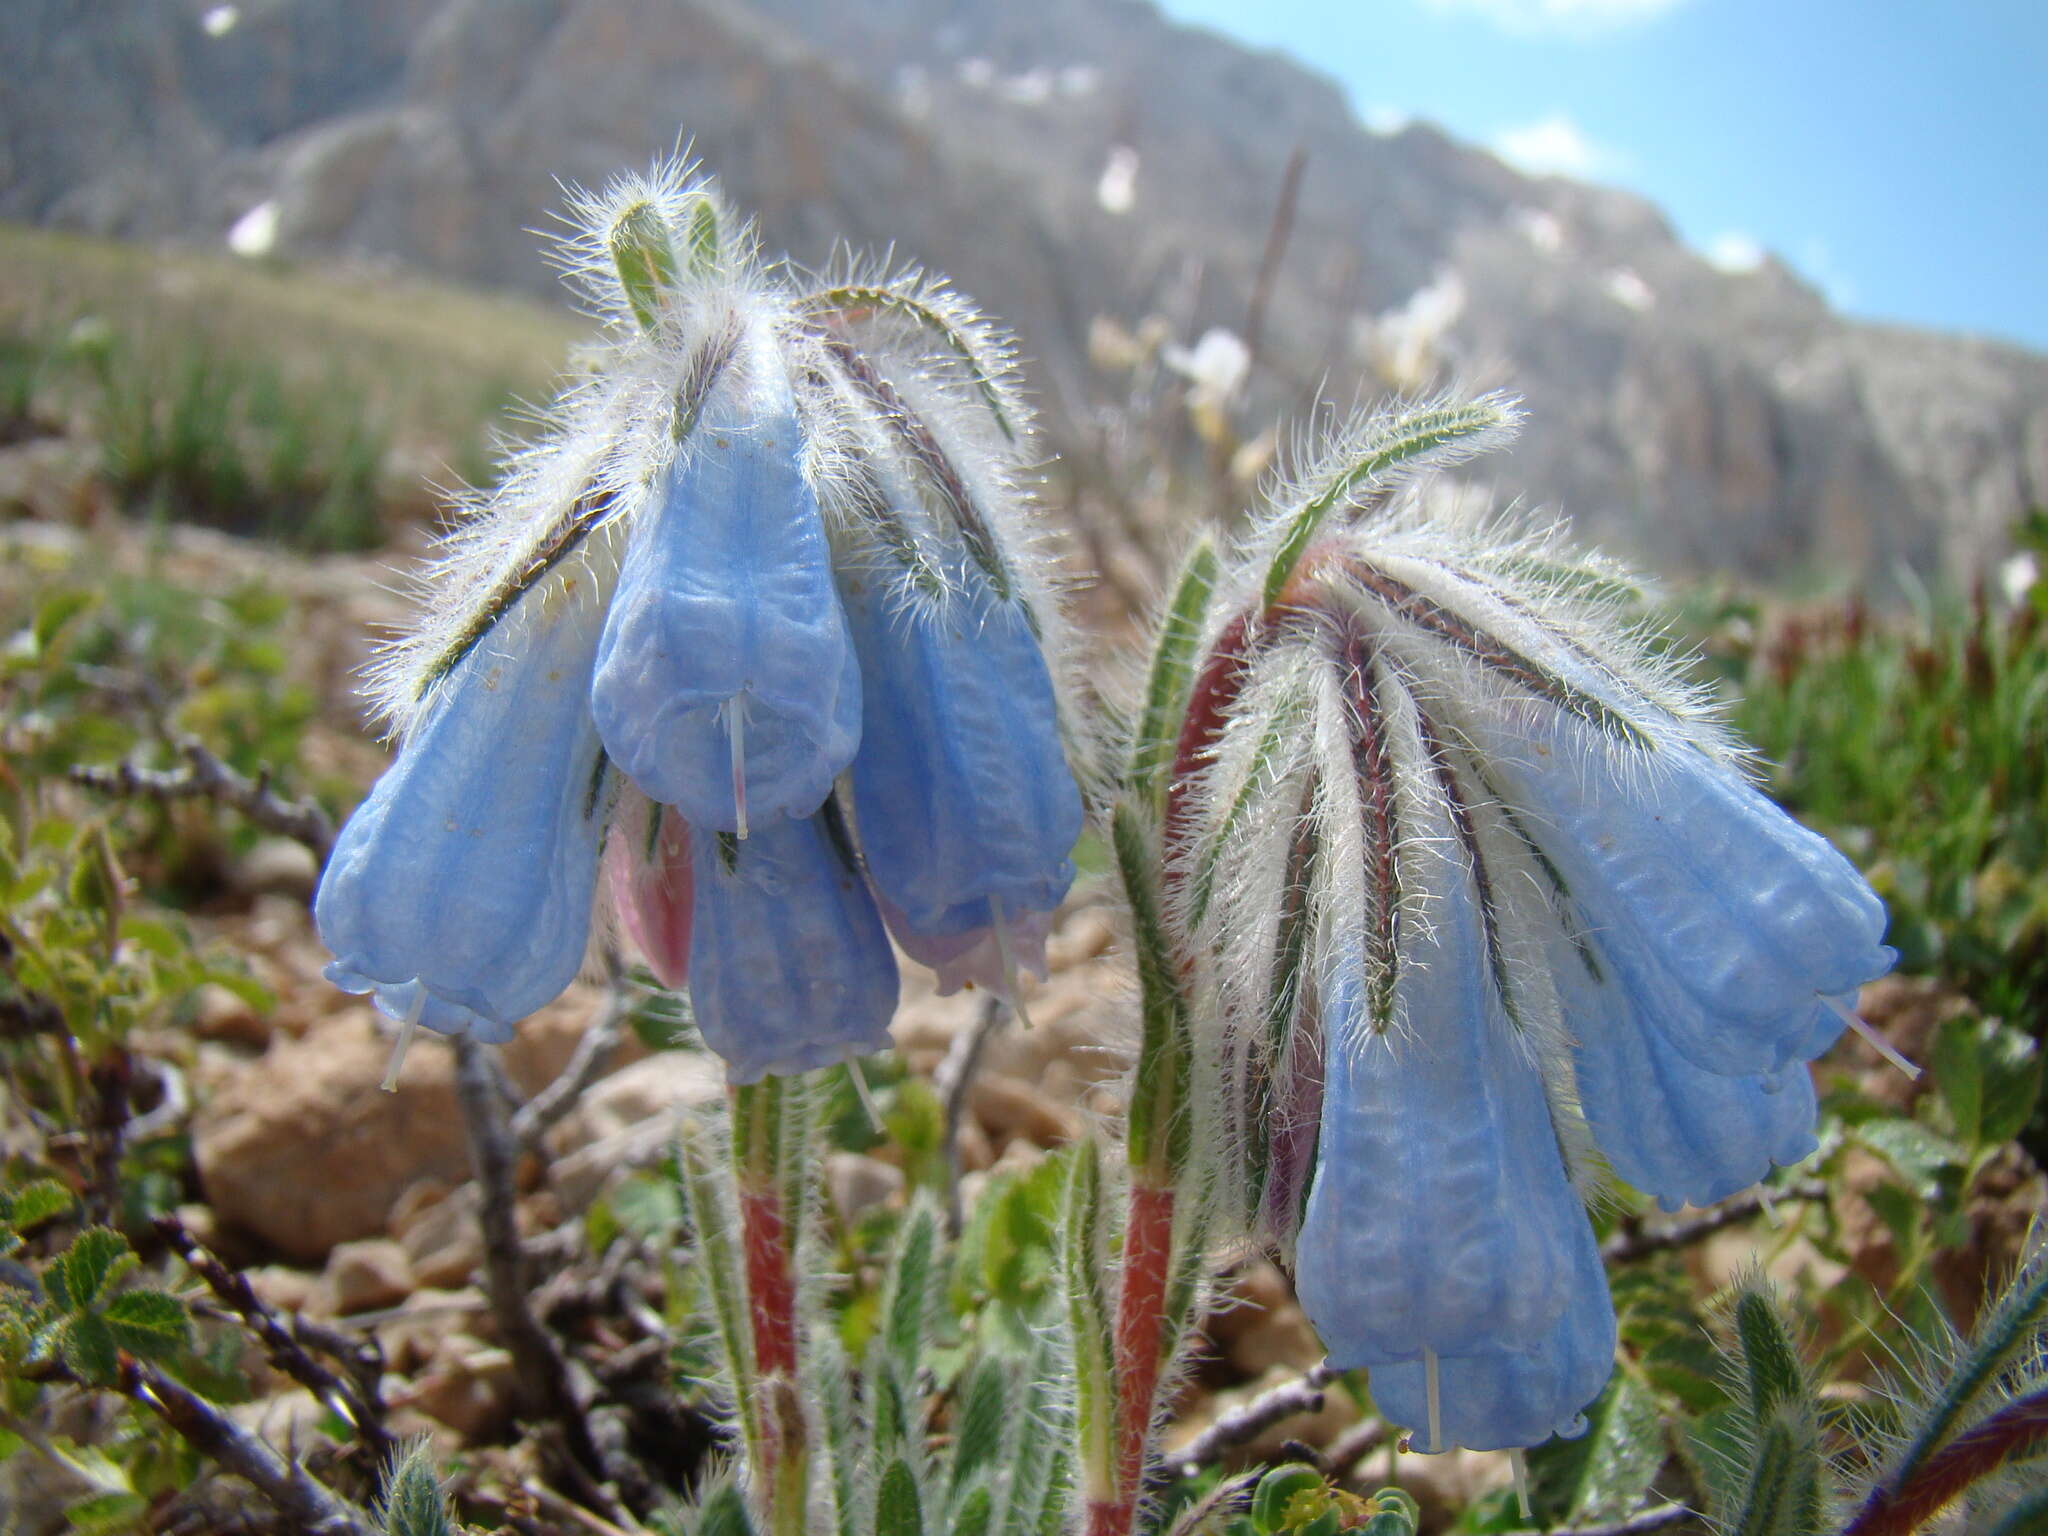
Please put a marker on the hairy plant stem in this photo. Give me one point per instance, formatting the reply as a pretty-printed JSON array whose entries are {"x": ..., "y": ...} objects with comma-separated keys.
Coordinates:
[
  {"x": 2012, "y": 1432},
  {"x": 1148, "y": 1268},
  {"x": 761, "y": 1161}
]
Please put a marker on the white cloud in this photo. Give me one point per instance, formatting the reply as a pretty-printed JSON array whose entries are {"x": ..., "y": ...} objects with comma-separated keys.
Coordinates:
[
  {"x": 1553, "y": 146},
  {"x": 1580, "y": 16},
  {"x": 1386, "y": 121},
  {"x": 1735, "y": 253}
]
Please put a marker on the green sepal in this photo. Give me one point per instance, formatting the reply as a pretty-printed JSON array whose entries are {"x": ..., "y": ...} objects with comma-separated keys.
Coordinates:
[
  {"x": 645, "y": 255},
  {"x": 1169, "y": 675},
  {"x": 1156, "y": 1128},
  {"x": 1400, "y": 439}
]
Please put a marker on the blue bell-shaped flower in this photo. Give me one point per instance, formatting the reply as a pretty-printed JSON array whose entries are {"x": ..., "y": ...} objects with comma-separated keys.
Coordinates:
[
  {"x": 459, "y": 892},
  {"x": 966, "y": 808},
  {"x": 726, "y": 681},
  {"x": 789, "y": 966}
]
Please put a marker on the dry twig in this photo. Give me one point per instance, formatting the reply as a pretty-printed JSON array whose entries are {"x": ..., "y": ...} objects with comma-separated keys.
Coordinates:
[{"x": 204, "y": 776}]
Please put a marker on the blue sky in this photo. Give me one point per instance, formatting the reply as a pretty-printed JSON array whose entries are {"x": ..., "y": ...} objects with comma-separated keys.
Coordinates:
[{"x": 1893, "y": 151}]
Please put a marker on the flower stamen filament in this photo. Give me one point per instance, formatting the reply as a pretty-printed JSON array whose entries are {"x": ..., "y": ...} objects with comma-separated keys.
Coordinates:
[{"x": 406, "y": 1029}]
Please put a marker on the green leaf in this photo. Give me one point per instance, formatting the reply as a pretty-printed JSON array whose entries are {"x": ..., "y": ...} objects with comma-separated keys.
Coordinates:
[
  {"x": 56, "y": 612},
  {"x": 1783, "y": 1496},
  {"x": 724, "y": 1514},
  {"x": 96, "y": 1258},
  {"x": 413, "y": 1502},
  {"x": 150, "y": 1324},
  {"x": 33, "y": 1204},
  {"x": 1167, "y": 678},
  {"x": 1770, "y": 1362},
  {"x": 106, "y": 1514},
  {"x": 974, "y": 1514},
  {"x": 2012, "y": 1081},
  {"x": 978, "y": 1420},
  {"x": 1959, "y": 1070},
  {"x": 898, "y": 1511},
  {"x": 1088, "y": 1325},
  {"x": 1156, "y": 1124},
  {"x": 88, "y": 1347},
  {"x": 1919, "y": 1154},
  {"x": 1603, "y": 1474},
  {"x": 908, "y": 1305}
]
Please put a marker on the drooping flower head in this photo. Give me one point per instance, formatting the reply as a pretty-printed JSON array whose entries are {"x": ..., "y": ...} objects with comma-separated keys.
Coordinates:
[
  {"x": 1484, "y": 905},
  {"x": 766, "y": 605}
]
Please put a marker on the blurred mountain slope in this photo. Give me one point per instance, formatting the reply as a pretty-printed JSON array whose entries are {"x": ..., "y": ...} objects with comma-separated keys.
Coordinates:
[{"x": 1065, "y": 161}]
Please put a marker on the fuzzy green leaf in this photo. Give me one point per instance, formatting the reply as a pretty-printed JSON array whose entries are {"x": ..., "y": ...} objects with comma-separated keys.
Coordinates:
[
  {"x": 974, "y": 1514},
  {"x": 724, "y": 1513},
  {"x": 2011, "y": 1062},
  {"x": 150, "y": 1324},
  {"x": 413, "y": 1503},
  {"x": 114, "y": 1513},
  {"x": 1603, "y": 1474},
  {"x": 1770, "y": 1363},
  {"x": 1088, "y": 1326},
  {"x": 898, "y": 1511},
  {"x": 96, "y": 1258},
  {"x": 978, "y": 1420},
  {"x": 1167, "y": 678},
  {"x": 1783, "y": 1493},
  {"x": 1156, "y": 1128},
  {"x": 33, "y": 1204},
  {"x": 88, "y": 1348},
  {"x": 909, "y": 1296},
  {"x": 1959, "y": 1071}
]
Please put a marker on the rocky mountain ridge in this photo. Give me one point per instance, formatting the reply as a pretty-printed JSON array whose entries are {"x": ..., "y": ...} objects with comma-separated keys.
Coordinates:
[{"x": 1071, "y": 162}]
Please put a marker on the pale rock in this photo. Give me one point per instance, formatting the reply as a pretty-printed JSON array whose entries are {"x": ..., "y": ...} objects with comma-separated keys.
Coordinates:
[
  {"x": 218, "y": 1013},
  {"x": 369, "y": 1274},
  {"x": 858, "y": 1184},
  {"x": 283, "y": 1289},
  {"x": 442, "y": 1240},
  {"x": 303, "y": 1149},
  {"x": 292, "y": 1422},
  {"x": 276, "y": 866},
  {"x": 412, "y": 1337},
  {"x": 1012, "y": 1108},
  {"x": 469, "y": 1387}
]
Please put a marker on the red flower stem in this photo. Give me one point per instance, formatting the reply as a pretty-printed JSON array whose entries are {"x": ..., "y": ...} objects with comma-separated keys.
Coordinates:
[
  {"x": 1140, "y": 1347},
  {"x": 770, "y": 1269},
  {"x": 1976, "y": 1453},
  {"x": 771, "y": 1288}
]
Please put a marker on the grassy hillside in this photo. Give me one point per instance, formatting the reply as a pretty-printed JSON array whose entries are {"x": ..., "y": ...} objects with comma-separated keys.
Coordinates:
[{"x": 302, "y": 403}]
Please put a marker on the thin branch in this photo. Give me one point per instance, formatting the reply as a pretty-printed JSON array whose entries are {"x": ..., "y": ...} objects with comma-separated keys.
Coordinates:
[
  {"x": 205, "y": 777},
  {"x": 1353, "y": 1446},
  {"x": 297, "y": 1494},
  {"x": 542, "y": 1373},
  {"x": 952, "y": 1081},
  {"x": 1304, "y": 1394},
  {"x": 1633, "y": 1241},
  {"x": 361, "y": 1408},
  {"x": 546, "y": 1109}
]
